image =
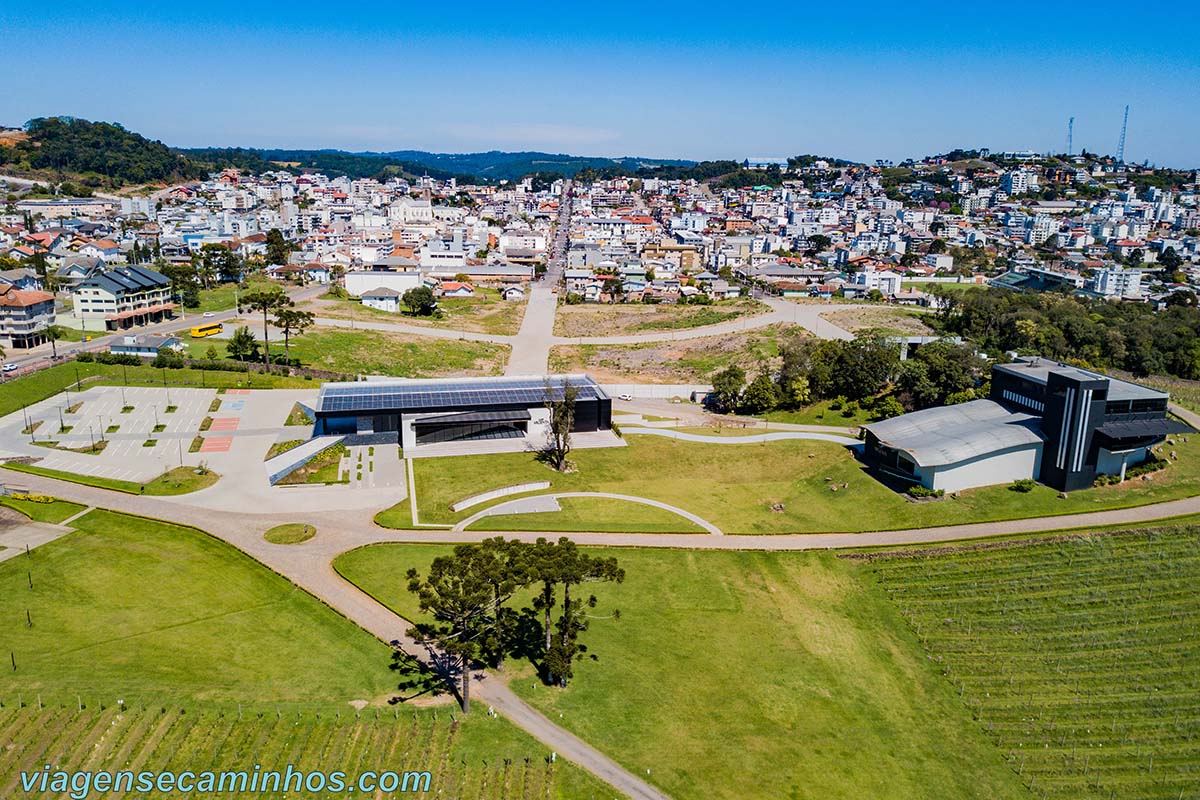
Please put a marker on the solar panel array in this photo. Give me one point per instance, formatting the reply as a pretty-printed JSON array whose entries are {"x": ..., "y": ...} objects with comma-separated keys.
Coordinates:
[{"x": 375, "y": 396}]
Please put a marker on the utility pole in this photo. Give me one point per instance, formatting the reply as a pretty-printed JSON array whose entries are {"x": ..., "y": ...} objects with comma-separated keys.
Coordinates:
[{"x": 1071, "y": 136}]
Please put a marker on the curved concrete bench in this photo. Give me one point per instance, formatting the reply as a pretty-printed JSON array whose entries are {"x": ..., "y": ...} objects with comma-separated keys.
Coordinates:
[
  {"x": 543, "y": 503},
  {"x": 519, "y": 488}
]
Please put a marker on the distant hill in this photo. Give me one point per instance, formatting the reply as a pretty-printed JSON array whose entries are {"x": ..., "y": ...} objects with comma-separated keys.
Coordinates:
[{"x": 101, "y": 154}]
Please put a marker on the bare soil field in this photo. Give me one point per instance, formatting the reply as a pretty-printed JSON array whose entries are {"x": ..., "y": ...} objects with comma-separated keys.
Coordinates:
[
  {"x": 595, "y": 319},
  {"x": 686, "y": 361},
  {"x": 892, "y": 320}
]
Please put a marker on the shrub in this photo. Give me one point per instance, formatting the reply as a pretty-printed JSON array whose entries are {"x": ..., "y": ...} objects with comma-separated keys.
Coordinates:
[
  {"x": 850, "y": 410},
  {"x": 919, "y": 491},
  {"x": 1023, "y": 485},
  {"x": 836, "y": 403}
]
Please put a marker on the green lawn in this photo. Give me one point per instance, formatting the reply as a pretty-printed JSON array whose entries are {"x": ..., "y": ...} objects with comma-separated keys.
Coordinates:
[
  {"x": 221, "y": 297},
  {"x": 599, "y": 514},
  {"x": 820, "y": 413},
  {"x": 223, "y": 665},
  {"x": 750, "y": 675},
  {"x": 291, "y": 533},
  {"x": 1077, "y": 656},
  {"x": 484, "y": 313},
  {"x": 216, "y": 626},
  {"x": 54, "y": 512},
  {"x": 180, "y": 480},
  {"x": 48, "y": 382},
  {"x": 321, "y": 468},
  {"x": 362, "y": 352},
  {"x": 735, "y": 486}
]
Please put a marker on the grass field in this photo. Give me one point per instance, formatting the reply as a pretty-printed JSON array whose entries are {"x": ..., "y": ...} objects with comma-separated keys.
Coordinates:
[
  {"x": 484, "y": 313},
  {"x": 291, "y": 533},
  {"x": 1078, "y": 657},
  {"x": 750, "y": 675},
  {"x": 472, "y": 758},
  {"x": 222, "y": 296},
  {"x": 593, "y": 514},
  {"x": 222, "y": 665},
  {"x": 594, "y": 319},
  {"x": 180, "y": 480},
  {"x": 378, "y": 353},
  {"x": 216, "y": 627},
  {"x": 735, "y": 486},
  {"x": 820, "y": 413},
  {"x": 53, "y": 512},
  {"x": 48, "y": 382}
]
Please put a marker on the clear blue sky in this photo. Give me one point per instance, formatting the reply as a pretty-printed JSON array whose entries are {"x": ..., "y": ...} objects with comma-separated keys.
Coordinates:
[{"x": 694, "y": 80}]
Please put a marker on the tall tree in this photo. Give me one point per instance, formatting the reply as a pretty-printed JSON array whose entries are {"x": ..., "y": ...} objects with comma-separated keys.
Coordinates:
[
  {"x": 53, "y": 334},
  {"x": 457, "y": 596},
  {"x": 564, "y": 564},
  {"x": 292, "y": 323},
  {"x": 560, "y": 402},
  {"x": 266, "y": 300},
  {"x": 278, "y": 248},
  {"x": 728, "y": 385}
]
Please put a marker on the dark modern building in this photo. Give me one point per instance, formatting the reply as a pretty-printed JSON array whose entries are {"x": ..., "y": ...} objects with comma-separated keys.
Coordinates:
[
  {"x": 1045, "y": 420},
  {"x": 422, "y": 412}
]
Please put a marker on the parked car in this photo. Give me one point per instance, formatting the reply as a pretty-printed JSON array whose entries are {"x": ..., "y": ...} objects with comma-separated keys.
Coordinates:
[
  {"x": 9, "y": 367},
  {"x": 625, "y": 397},
  {"x": 209, "y": 314}
]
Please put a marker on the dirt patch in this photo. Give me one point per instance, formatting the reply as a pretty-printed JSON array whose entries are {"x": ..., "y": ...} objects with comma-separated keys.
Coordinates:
[
  {"x": 684, "y": 361},
  {"x": 892, "y": 320},
  {"x": 595, "y": 319}
]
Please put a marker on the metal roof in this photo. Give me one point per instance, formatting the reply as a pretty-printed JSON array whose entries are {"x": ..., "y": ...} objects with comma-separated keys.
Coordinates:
[
  {"x": 1139, "y": 428},
  {"x": 950, "y": 434},
  {"x": 470, "y": 393},
  {"x": 1039, "y": 369}
]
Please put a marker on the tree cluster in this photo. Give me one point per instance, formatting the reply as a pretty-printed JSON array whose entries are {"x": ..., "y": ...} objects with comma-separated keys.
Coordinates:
[
  {"x": 469, "y": 596},
  {"x": 105, "y": 151},
  {"x": 1096, "y": 333},
  {"x": 858, "y": 372}
]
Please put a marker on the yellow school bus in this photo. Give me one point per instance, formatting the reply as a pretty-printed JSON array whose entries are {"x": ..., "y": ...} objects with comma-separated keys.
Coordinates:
[{"x": 208, "y": 329}]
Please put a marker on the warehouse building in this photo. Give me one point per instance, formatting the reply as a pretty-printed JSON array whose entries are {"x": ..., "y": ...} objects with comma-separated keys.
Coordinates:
[
  {"x": 1045, "y": 420},
  {"x": 417, "y": 413}
]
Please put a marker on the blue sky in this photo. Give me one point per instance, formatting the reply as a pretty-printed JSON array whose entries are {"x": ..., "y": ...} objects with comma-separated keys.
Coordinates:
[{"x": 667, "y": 79}]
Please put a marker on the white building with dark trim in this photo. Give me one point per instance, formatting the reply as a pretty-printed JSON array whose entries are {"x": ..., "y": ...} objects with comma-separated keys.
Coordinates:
[{"x": 1045, "y": 420}]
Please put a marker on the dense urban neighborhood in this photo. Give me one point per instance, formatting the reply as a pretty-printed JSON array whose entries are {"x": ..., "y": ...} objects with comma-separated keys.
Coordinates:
[{"x": 821, "y": 463}]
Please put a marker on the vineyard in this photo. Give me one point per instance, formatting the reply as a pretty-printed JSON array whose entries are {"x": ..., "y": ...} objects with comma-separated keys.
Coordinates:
[
  {"x": 466, "y": 759},
  {"x": 1080, "y": 657}
]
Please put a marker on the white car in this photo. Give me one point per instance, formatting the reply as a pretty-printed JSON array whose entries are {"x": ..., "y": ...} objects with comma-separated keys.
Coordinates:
[
  {"x": 9, "y": 368},
  {"x": 625, "y": 397},
  {"x": 208, "y": 314}
]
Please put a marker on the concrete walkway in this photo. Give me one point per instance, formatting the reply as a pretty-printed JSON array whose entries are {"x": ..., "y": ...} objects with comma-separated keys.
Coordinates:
[
  {"x": 738, "y": 438},
  {"x": 17, "y": 540},
  {"x": 545, "y": 503},
  {"x": 309, "y": 566}
]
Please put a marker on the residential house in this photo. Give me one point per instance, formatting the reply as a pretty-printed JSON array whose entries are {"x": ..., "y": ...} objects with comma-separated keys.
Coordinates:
[
  {"x": 145, "y": 345},
  {"x": 382, "y": 298},
  {"x": 124, "y": 297},
  {"x": 24, "y": 316}
]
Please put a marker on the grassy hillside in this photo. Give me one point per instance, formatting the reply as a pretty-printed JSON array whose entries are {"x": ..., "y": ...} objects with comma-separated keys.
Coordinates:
[
  {"x": 1079, "y": 658},
  {"x": 152, "y": 646},
  {"x": 750, "y": 675}
]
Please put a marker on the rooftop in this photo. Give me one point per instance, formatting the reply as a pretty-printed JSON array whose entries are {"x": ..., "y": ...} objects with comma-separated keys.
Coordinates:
[
  {"x": 1038, "y": 370},
  {"x": 950, "y": 434},
  {"x": 413, "y": 394}
]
